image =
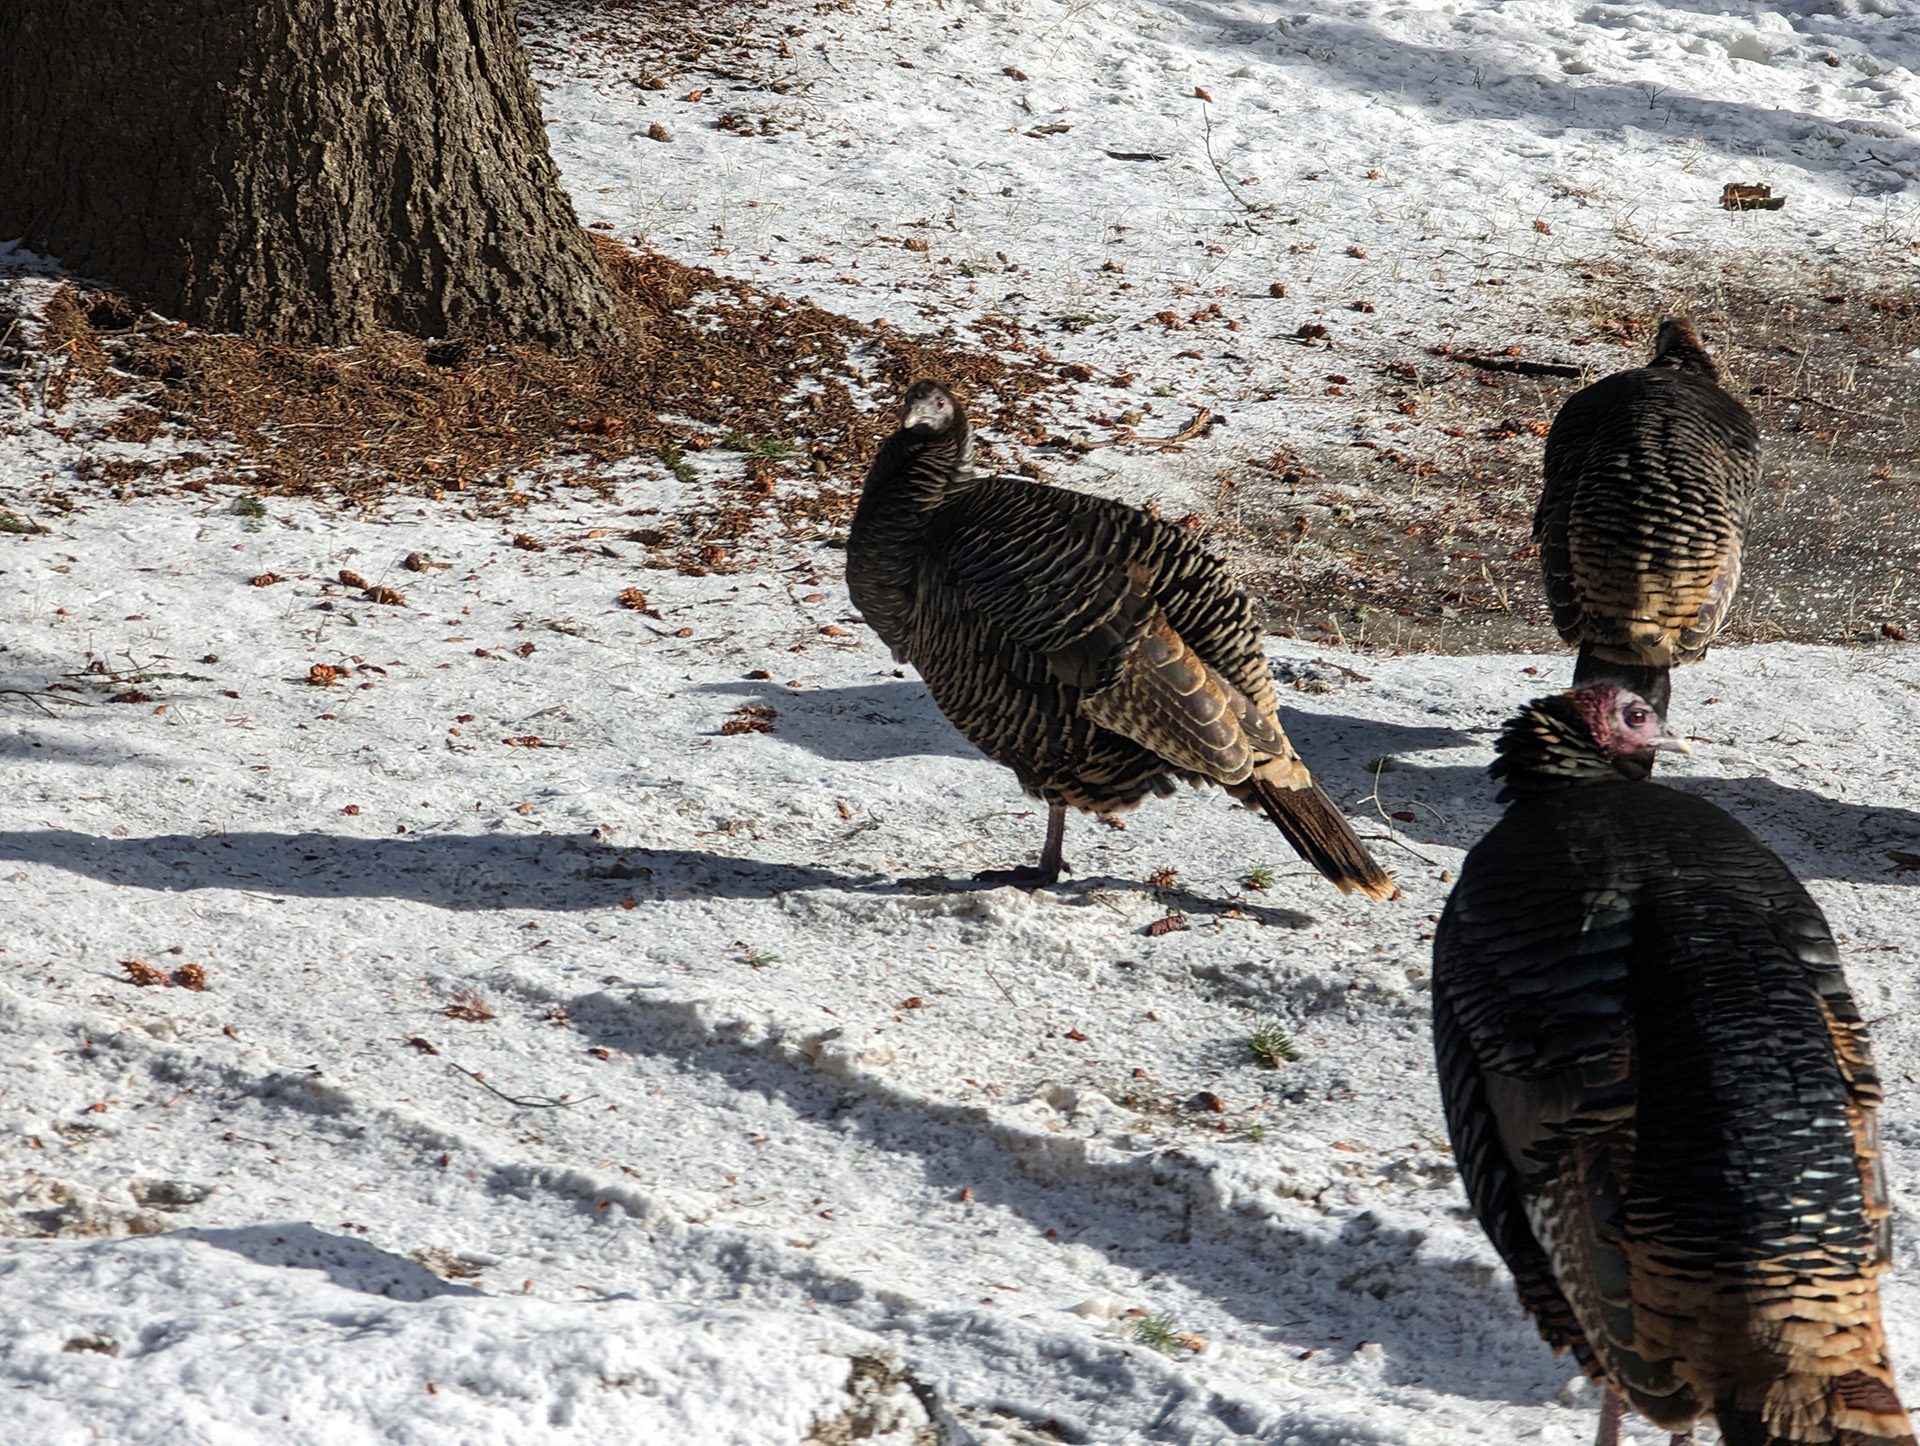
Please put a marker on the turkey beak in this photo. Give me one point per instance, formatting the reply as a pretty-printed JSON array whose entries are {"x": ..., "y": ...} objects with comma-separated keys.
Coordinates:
[
  {"x": 928, "y": 412},
  {"x": 1672, "y": 743}
]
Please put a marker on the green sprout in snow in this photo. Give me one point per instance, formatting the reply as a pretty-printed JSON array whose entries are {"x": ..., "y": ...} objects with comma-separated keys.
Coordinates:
[{"x": 1271, "y": 1045}]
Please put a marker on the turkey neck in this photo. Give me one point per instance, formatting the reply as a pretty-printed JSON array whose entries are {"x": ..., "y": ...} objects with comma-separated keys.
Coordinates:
[
  {"x": 1682, "y": 350},
  {"x": 1549, "y": 747},
  {"x": 909, "y": 479},
  {"x": 912, "y": 475}
]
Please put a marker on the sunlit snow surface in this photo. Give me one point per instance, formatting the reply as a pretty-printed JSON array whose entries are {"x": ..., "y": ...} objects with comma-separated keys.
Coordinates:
[{"x": 763, "y": 1096}]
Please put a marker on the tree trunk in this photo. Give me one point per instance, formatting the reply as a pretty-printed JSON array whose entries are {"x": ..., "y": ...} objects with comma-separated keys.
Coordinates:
[{"x": 300, "y": 170}]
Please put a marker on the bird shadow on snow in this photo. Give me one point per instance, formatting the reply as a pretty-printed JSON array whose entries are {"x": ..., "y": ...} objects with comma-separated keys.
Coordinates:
[
  {"x": 349, "y": 1263},
  {"x": 1089, "y": 889},
  {"x": 861, "y": 724},
  {"x": 1817, "y": 837},
  {"x": 875, "y": 721},
  {"x": 1159, "y": 1213},
  {"x": 1359, "y": 759}
]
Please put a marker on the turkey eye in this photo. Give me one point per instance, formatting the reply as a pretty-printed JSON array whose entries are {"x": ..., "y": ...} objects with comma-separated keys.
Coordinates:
[{"x": 1636, "y": 716}]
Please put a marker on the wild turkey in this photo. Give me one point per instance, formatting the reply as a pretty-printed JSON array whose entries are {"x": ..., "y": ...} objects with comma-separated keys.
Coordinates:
[
  {"x": 1660, "y": 1093},
  {"x": 1096, "y": 651},
  {"x": 1650, "y": 475}
]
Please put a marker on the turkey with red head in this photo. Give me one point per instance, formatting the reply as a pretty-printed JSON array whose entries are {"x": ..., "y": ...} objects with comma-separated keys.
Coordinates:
[{"x": 1660, "y": 1093}]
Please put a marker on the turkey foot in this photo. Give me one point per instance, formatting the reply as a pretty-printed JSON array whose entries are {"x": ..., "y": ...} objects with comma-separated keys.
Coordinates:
[{"x": 1047, "y": 872}]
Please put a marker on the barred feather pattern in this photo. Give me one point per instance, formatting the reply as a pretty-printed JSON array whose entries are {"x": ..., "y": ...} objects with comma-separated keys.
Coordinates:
[
  {"x": 1650, "y": 476},
  {"x": 1101, "y": 654},
  {"x": 1664, "y": 1109}
]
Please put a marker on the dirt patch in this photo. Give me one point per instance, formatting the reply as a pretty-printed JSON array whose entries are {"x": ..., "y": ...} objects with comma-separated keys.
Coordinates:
[
  {"x": 1425, "y": 539},
  {"x": 794, "y": 394}
]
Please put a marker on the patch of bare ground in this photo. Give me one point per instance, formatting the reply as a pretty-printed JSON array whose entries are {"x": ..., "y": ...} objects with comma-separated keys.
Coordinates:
[
  {"x": 1418, "y": 534},
  {"x": 789, "y": 393}
]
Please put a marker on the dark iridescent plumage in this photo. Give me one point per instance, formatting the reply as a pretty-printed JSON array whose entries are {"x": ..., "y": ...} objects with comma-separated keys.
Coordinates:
[
  {"x": 1660, "y": 1093},
  {"x": 1100, "y": 653},
  {"x": 1650, "y": 475}
]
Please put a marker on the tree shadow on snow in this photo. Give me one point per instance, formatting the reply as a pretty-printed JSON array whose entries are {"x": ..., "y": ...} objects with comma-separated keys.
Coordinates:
[
  {"x": 449, "y": 871},
  {"x": 32, "y": 745},
  {"x": 352, "y": 1264},
  {"x": 503, "y": 871},
  {"x": 1159, "y": 1213},
  {"x": 1354, "y": 54}
]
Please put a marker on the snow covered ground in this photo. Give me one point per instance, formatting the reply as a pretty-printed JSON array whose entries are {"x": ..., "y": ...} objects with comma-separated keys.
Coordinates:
[{"x": 571, "y": 1066}]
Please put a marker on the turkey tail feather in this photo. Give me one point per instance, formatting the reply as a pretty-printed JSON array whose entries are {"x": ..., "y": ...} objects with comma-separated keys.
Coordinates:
[
  {"x": 1857, "y": 1409},
  {"x": 1652, "y": 681},
  {"x": 1320, "y": 834}
]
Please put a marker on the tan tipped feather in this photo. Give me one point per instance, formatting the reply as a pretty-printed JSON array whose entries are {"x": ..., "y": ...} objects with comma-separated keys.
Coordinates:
[
  {"x": 1321, "y": 835},
  {"x": 1101, "y": 653}
]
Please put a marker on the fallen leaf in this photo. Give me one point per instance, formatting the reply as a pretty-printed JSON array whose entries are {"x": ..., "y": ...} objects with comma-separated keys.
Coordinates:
[
  {"x": 138, "y": 971},
  {"x": 470, "y": 1006},
  {"x": 750, "y": 718}
]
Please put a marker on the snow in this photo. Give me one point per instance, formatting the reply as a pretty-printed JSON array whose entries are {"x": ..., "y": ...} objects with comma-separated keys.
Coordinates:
[{"x": 774, "y": 1130}]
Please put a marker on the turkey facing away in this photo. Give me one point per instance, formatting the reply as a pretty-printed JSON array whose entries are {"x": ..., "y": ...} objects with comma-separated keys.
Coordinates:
[
  {"x": 1650, "y": 476},
  {"x": 1660, "y": 1093},
  {"x": 1096, "y": 651}
]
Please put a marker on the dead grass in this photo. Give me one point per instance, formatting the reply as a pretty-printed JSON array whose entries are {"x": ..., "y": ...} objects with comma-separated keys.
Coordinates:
[{"x": 1418, "y": 535}]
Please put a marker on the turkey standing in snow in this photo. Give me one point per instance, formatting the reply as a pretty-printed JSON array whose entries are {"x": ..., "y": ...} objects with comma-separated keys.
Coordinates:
[
  {"x": 1096, "y": 651},
  {"x": 1660, "y": 1093},
  {"x": 1649, "y": 479}
]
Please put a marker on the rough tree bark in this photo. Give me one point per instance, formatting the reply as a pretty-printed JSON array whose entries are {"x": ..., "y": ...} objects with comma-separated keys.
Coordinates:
[{"x": 302, "y": 170}]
